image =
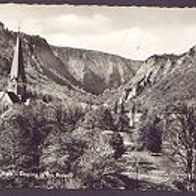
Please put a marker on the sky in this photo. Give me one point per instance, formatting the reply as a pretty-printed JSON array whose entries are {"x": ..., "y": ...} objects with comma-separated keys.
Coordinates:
[{"x": 131, "y": 32}]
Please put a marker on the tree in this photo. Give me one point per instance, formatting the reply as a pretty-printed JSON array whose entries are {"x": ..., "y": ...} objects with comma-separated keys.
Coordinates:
[
  {"x": 118, "y": 145},
  {"x": 99, "y": 118},
  {"x": 153, "y": 138},
  {"x": 121, "y": 120},
  {"x": 96, "y": 162},
  {"x": 151, "y": 135},
  {"x": 180, "y": 132}
]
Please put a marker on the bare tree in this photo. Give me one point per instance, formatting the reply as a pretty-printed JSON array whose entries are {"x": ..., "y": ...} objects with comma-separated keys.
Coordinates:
[{"x": 180, "y": 132}]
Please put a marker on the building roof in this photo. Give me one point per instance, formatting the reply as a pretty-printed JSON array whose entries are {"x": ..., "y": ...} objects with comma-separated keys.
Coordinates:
[
  {"x": 14, "y": 98},
  {"x": 9, "y": 97}
]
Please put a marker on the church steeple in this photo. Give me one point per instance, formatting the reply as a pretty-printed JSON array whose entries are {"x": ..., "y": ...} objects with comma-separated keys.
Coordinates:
[{"x": 17, "y": 82}]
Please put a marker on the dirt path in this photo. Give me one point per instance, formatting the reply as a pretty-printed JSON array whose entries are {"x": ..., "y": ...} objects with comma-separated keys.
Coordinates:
[{"x": 144, "y": 166}]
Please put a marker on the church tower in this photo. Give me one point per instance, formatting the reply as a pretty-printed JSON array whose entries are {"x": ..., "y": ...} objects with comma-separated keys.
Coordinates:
[{"x": 17, "y": 81}]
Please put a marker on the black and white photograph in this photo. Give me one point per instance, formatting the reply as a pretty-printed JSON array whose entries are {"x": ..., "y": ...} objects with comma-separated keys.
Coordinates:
[{"x": 97, "y": 97}]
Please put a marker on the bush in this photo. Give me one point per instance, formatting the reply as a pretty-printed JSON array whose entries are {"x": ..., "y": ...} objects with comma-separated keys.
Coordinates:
[
  {"x": 153, "y": 139},
  {"x": 151, "y": 136},
  {"x": 117, "y": 143},
  {"x": 96, "y": 161},
  {"x": 100, "y": 118}
]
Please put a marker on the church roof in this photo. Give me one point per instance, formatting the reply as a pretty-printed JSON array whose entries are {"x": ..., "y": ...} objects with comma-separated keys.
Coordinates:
[
  {"x": 9, "y": 97},
  {"x": 14, "y": 98}
]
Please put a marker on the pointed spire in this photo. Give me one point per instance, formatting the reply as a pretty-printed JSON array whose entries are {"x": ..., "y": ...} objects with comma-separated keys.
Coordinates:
[
  {"x": 16, "y": 61},
  {"x": 17, "y": 83}
]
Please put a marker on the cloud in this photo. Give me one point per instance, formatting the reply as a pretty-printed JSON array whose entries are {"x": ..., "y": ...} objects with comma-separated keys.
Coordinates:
[
  {"x": 125, "y": 43},
  {"x": 76, "y": 25},
  {"x": 128, "y": 31}
]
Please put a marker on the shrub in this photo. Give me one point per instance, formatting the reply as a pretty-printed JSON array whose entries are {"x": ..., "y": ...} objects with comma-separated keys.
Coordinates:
[
  {"x": 96, "y": 161},
  {"x": 117, "y": 143},
  {"x": 151, "y": 136},
  {"x": 100, "y": 118}
]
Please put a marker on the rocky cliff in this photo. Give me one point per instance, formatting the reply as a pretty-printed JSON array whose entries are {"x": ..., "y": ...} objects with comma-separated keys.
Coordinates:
[
  {"x": 163, "y": 79},
  {"x": 74, "y": 68},
  {"x": 96, "y": 71}
]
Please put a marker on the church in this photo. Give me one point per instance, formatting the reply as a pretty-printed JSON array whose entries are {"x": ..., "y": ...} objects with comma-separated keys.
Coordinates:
[{"x": 16, "y": 88}]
